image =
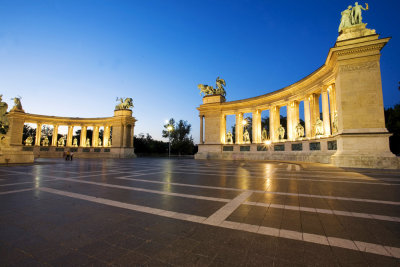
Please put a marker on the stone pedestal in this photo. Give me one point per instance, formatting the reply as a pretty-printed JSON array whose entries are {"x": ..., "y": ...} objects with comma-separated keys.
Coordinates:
[
  {"x": 363, "y": 140},
  {"x": 213, "y": 99},
  {"x": 122, "y": 134}
]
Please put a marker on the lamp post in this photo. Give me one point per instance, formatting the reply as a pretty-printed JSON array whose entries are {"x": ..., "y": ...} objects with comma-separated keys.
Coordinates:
[{"x": 169, "y": 128}]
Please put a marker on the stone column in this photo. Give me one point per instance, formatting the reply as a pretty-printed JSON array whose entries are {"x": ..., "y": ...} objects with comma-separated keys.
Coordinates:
[
  {"x": 239, "y": 128},
  {"x": 289, "y": 126},
  {"x": 314, "y": 111},
  {"x": 295, "y": 118},
  {"x": 201, "y": 129},
  {"x": 70, "y": 134},
  {"x": 274, "y": 122},
  {"x": 106, "y": 135},
  {"x": 95, "y": 137},
  {"x": 123, "y": 136},
  {"x": 83, "y": 136},
  {"x": 55, "y": 135},
  {"x": 38, "y": 134},
  {"x": 325, "y": 112},
  {"x": 223, "y": 129},
  {"x": 256, "y": 121},
  {"x": 332, "y": 103},
  {"x": 307, "y": 117}
]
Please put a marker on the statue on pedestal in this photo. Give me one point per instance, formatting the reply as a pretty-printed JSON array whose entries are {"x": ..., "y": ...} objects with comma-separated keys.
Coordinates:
[
  {"x": 109, "y": 142},
  {"x": 4, "y": 124},
  {"x": 356, "y": 13},
  {"x": 246, "y": 137},
  {"x": 209, "y": 90},
  {"x": 99, "y": 143},
  {"x": 264, "y": 135},
  {"x": 125, "y": 104},
  {"x": 45, "y": 141},
  {"x": 319, "y": 127},
  {"x": 335, "y": 123},
  {"x": 61, "y": 141},
  {"x": 229, "y": 139},
  {"x": 75, "y": 142},
  {"x": 352, "y": 16},
  {"x": 87, "y": 142},
  {"x": 299, "y": 130},
  {"x": 17, "y": 104},
  {"x": 281, "y": 132},
  {"x": 29, "y": 141}
]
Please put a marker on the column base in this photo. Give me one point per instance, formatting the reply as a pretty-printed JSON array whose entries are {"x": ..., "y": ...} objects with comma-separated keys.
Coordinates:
[{"x": 15, "y": 154}]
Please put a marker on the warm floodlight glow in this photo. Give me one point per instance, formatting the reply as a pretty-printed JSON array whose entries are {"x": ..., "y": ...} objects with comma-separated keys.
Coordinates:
[
  {"x": 244, "y": 122},
  {"x": 170, "y": 128},
  {"x": 268, "y": 142}
]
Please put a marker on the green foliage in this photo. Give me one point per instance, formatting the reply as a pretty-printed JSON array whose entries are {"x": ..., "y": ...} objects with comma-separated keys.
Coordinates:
[
  {"x": 181, "y": 142},
  {"x": 28, "y": 131},
  {"x": 392, "y": 122},
  {"x": 145, "y": 144}
]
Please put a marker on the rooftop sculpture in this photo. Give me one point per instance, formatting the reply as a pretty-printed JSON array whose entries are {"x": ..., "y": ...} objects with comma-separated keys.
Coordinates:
[
  {"x": 209, "y": 90},
  {"x": 352, "y": 16},
  {"x": 124, "y": 104}
]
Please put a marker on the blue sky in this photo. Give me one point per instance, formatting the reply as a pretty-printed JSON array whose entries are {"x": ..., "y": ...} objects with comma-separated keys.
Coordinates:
[{"x": 73, "y": 58}]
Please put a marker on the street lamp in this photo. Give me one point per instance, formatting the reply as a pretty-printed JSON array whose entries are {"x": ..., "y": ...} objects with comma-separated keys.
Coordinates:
[{"x": 169, "y": 128}]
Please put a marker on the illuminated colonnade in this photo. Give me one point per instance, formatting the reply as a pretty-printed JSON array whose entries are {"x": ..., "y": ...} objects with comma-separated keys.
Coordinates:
[{"x": 349, "y": 132}]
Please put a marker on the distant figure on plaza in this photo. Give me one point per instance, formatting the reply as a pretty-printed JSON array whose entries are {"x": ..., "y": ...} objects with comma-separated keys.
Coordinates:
[
  {"x": 299, "y": 130},
  {"x": 45, "y": 141},
  {"x": 75, "y": 142},
  {"x": 61, "y": 141},
  {"x": 319, "y": 127},
  {"x": 229, "y": 139},
  {"x": 67, "y": 157},
  {"x": 246, "y": 137},
  {"x": 71, "y": 156},
  {"x": 264, "y": 135},
  {"x": 29, "y": 141},
  {"x": 281, "y": 132},
  {"x": 87, "y": 142}
]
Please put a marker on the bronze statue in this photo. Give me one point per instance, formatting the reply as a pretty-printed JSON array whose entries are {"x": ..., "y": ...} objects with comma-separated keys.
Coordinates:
[{"x": 125, "y": 104}]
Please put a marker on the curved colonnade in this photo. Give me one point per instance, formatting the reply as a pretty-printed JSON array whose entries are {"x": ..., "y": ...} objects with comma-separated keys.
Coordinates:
[
  {"x": 117, "y": 136},
  {"x": 354, "y": 133}
]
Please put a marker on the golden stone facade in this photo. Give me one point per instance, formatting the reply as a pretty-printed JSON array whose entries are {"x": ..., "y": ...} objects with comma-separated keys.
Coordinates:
[{"x": 353, "y": 123}]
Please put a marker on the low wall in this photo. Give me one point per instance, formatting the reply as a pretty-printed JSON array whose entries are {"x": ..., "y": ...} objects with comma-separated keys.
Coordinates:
[{"x": 82, "y": 152}]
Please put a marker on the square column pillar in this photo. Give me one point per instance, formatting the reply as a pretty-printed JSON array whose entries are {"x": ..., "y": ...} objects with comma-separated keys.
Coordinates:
[
  {"x": 83, "y": 136},
  {"x": 239, "y": 128},
  {"x": 223, "y": 129},
  {"x": 256, "y": 126},
  {"x": 201, "y": 129},
  {"x": 70, "y": 134},
  {"x": 106, "y": 136},
  {"x": 332, "y": 102},
  {"x": 38, "y": 134},
  {"x": 325, "y": 112},
  {"x": 274, "y": 122},
  {"x": 55, "y": 136},
  {"x": 307, "y": 117},
  {"x": 314, "y": 110},
  {"x": 95, "y": 141}
]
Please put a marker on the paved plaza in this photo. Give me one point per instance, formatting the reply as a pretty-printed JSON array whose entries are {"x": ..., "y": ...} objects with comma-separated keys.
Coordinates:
[{"x": 161, "y": 212}]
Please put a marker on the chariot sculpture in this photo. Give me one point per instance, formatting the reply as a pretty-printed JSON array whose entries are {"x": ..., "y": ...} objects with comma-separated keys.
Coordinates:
[
  {"x": 124, "y": 104},
  {"x": 209, "y": 90}
]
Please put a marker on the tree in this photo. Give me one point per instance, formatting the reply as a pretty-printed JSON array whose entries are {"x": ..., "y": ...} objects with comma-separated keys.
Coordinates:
[
  {"x": 392, "y": 121},
  {"x": 181, "y": 142},
  {"x": 145, "y": 144},
  {"x": 28, "y": 131}
]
